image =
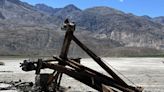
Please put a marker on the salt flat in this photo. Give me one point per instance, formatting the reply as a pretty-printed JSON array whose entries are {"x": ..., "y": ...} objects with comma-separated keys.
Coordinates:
[{"x": 145, "y": 72}]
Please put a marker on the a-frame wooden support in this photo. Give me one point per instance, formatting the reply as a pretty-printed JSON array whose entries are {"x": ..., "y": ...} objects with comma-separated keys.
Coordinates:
[{"x": 90, "y": 77}]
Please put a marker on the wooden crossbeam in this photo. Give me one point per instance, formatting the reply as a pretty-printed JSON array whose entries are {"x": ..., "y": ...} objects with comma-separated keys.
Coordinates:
[
  {"x": 88, "y": 78},
  {"x": 81, "y": 73}
]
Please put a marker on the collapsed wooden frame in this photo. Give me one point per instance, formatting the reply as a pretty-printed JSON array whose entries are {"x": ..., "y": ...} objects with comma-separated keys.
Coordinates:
[{"x": 90, "y": 77}]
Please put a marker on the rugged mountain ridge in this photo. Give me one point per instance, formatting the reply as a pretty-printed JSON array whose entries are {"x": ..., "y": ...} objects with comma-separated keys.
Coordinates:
[
  {"x": 35, "y": 30},
  {"x": 159, "y": 19}
]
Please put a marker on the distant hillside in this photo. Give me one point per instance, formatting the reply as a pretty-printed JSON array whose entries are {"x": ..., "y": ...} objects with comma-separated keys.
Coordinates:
[
  {"x": 35, "y": 30},
  {"x": 159, "y": 19}
]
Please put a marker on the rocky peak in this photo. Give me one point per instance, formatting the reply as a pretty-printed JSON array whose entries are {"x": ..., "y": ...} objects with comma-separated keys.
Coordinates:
[
  {"x": 159, "y": 19},
  {"x": 2, "y": 3},
  {"x": 102, "y": 10},
  {"x": 15, "y": 5},
  {"x": 14, "y": 1},
  {"x": 47, "y": 9},
  {"x": 69, "y": 11},
  {"x": 71, "y": 7},
  {"x": 146, "y": 17}
]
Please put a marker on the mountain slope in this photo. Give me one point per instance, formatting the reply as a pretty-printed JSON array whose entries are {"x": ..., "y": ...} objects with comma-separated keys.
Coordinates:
[
  {"x": 126, "y": 28},
  {"x": 46, "y": 9},
  {"x": 25, "y": 30},
  {"x": 159, "y": 19},
  {"x": 35, "y": 30}
]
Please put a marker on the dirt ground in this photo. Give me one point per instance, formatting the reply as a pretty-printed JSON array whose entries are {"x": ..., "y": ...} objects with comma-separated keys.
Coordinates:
[{"x": 145, "y": 72}]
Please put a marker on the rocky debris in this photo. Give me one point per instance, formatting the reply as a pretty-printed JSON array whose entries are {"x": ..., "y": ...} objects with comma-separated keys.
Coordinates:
[
  {"x": 7, "y": 71},
  {"x": 16, "y": 85},
  {"x": 2, "y": 63},
  {"x": 38, "y": 86},
  {"x": 163, "y": 62}
]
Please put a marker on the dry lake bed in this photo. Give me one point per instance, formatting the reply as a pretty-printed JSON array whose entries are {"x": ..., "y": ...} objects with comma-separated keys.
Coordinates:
[{"x": 145, "y": 72}]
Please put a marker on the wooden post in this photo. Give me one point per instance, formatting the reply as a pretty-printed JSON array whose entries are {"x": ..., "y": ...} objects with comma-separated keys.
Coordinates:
[
  {"x": 39, "y": 65},
  {"x": 70, "y": 27},
  {"x": 66, "y": 44}
]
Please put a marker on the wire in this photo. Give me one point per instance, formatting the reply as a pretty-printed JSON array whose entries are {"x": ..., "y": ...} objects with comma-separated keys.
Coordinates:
[{"x": 119, "y": 72}]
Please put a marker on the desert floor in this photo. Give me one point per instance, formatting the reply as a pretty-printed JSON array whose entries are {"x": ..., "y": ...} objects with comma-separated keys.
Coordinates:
[{"x": 145, "y": 72}]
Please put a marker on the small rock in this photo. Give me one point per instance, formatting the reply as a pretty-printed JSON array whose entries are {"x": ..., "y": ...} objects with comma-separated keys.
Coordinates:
[{"x": 1, "y": 63}]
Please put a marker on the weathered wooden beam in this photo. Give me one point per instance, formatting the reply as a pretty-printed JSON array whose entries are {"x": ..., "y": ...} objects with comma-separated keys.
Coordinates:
[
  {"x": 59, "y": 81},
  {"x": 81, "y": 73},
  {"x": 52, "y": 77},
  {"x": 70, "y": 28},
  {"x": 84, "y": 75},
  {"x": 87, "y": 78},
  {"x": 80, "y": 68},
  {"x": 99, "y": 61},
  {"x": 107, "y": 89},
  {"x": 66, "y": 44},
  {"x": 39, "y": 66}
]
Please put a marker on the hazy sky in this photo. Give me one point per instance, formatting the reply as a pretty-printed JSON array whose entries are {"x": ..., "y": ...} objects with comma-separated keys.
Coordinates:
[{"x": 152, "y": 8}]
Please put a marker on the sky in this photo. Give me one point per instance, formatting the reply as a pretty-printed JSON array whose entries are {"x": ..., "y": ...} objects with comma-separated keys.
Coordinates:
[{"x": 152, "y": 8}]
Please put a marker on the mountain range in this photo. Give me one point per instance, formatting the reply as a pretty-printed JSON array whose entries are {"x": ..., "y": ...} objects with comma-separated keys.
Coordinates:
[{"x": 35, "y": 30}]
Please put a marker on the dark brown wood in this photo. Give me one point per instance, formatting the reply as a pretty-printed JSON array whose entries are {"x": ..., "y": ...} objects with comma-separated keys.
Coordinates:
[
  {"x": 107, "y": 89},
  {"x": 39, "y": 65},
  {"x": 70, "y": 28},
  {"x": 99, "y": 61},
  {"x": 66, "y": 44},
  {"x": 52, "y": 77},
  {"x": 87, "y": 78},
  {"x": 59, "y": 81},
  {"x": 80, "y": 67},
  {"x": 90, "y": 77}
]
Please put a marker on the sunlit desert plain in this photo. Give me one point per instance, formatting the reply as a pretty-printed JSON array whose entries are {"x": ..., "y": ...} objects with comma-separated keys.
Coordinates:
[{"x": 145, "y": 72}]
